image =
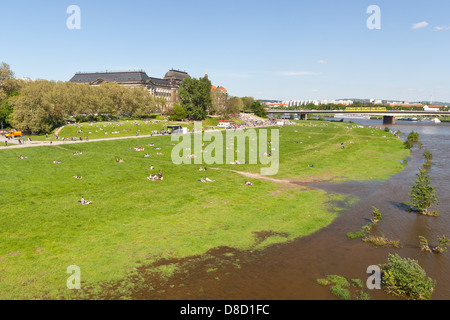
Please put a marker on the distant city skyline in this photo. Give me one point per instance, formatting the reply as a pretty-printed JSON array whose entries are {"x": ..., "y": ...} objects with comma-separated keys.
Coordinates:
[{"x": 283, "y": 50}]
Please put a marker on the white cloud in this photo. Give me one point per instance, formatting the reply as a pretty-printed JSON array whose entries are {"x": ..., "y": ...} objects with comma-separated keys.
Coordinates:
[
  {"x": 322, "y": 62},
  {"x": 442, "y": 28},
  {"x": 298, "y": 73},
  {"x": 420, "y": 25}
]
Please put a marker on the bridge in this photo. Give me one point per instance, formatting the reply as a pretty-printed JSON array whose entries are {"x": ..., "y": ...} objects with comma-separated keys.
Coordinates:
[{"x": 388, "y": 116}]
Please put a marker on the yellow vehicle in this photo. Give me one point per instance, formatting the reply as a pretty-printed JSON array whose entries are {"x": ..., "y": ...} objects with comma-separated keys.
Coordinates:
[{"x": 13, "y": 134}]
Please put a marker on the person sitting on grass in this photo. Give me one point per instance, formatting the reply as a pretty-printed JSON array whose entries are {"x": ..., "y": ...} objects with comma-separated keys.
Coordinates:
[
  {"x": 154, "y": 177},
  {"x": 84, "y": 202}
]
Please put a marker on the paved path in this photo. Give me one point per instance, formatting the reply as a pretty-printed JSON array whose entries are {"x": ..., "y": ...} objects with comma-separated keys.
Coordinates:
[
  {"x": 29, "y": 144},
  {"x": 14, "y": 144}
]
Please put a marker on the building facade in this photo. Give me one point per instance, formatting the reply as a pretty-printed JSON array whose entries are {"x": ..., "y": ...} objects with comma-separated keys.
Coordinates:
[{"x": 166, "y": 87}]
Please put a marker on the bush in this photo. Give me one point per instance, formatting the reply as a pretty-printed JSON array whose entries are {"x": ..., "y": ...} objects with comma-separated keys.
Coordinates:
[
  {"x": 405, "y": 277},
  {"x": 340, "y": 292},
  {"x": 413, "y": 136},
  {"x": 382, "y": 241},
  {"x": 357, "y": 283},
  {"x": 408, "y": 144},
  {"x": 178, "y": 113},
  {"x": 323, "y": 282},
  {"x": 428, "y": 155},
  {"x": 355, "y": 235},
  {"x": 338, "y": 280},
  {"x": 376, "y": 216}
]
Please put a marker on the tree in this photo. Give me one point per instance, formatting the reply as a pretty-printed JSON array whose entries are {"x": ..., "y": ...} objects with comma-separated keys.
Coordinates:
[
  {"x": 247, "y": 101},
  {"x": 218, "y": 101},
  {"x": 178, "y": 113},
  {"x": 233, "y": 106},
  {"x": 34, "y": 109},
  {"x": 428, "y": 155},
  {"x": 258, "y": 109},
  {"x": 423, "y": 195},
  {"x": 195, "y": 97}
]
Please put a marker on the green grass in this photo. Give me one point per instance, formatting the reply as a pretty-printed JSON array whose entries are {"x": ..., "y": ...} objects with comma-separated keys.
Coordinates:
[
  {"x": 122, "y": 128},
  {"x": 135, "y": 222}
]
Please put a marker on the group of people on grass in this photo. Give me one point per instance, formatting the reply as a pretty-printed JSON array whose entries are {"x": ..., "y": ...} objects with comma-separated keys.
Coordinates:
[{"x": 155, "y": 177}]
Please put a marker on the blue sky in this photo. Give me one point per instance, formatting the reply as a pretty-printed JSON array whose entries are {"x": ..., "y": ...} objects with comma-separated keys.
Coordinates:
[{"x": 284, "y": 49}]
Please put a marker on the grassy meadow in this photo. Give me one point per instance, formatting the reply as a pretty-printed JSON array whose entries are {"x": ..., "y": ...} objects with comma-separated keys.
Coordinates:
[
  {"x": 122, "y": 128},
  {"x": 134, "y": 222}
]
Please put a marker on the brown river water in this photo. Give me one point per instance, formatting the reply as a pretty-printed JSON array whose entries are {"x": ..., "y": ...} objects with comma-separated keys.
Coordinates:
[{"x": 289, "y": 271}]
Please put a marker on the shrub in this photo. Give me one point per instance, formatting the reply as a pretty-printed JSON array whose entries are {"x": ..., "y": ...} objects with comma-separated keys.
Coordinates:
[
  {"x": 382, "y": 241},
  {"x": 442, "y": 245},
  {"x": 357, "y": 283},
  {"x": 323, "y": 282},
  {"x": 355, "y": 235},
  {"x": 428, "y": 155},
  {"x": 376, "y": 215},
  {"x": 340, "y": 292},
  {"x": 424, "y": 246},
  {"x": 408, "y": 144},
  {"x": 405, "y": 277},
  {"x": 363, "y": 296},
  {"x": 413, "y": 136},
  {"x": 338, "y": 280}
]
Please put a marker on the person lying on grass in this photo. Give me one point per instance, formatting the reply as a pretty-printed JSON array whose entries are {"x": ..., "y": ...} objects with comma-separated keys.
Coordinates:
[
  {"x": 154, "y": 177},
  {"x": 84, "y": 202},
  {"x": 248, "y": 183},
  {"x": 78, "y": 177}
]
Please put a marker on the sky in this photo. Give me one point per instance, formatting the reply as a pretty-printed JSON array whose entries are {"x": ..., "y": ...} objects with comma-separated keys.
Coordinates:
[{"x": 278, "y": 50}]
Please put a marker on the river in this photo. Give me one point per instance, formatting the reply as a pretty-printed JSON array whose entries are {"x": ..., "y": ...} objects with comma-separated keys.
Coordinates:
[{"x": 289, "y": 271}]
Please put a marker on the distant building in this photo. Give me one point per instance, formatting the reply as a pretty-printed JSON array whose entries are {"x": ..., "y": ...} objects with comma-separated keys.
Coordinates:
[
  {"x": 160, "y": 88},
  {"x": 220, "y": 89}
]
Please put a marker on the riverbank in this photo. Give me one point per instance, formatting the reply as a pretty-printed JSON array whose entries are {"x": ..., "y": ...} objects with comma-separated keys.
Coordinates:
[{"x": 134, "y": 222}]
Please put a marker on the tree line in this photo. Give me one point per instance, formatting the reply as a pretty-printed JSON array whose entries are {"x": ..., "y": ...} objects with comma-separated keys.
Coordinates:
[{"x": 40, "y": 106}]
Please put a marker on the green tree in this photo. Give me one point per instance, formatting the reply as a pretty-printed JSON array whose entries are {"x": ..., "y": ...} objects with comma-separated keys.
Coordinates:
[
  {"x": 258, "y": 109},
  {"x": 423, "y": 195},
  {"x": 428, "y": 155},
  {"x": 34, "y": 110},
  {"x": 247, "y": 103},
  {"x": 178, "y": 113},
  {"x": 195, "y": 97}
]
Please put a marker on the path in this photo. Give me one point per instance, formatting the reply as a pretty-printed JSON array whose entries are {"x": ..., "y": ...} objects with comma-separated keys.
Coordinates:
[{"x": 29, "y": 144}]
